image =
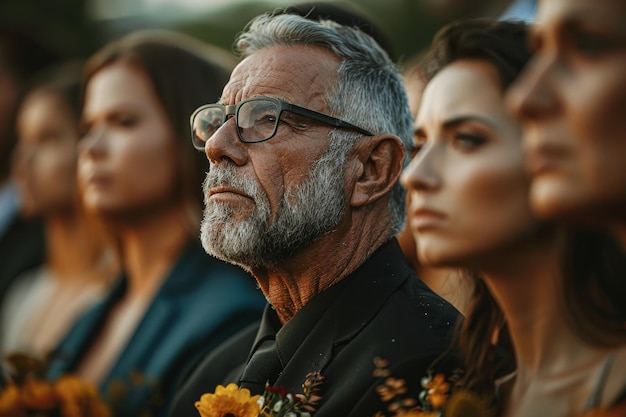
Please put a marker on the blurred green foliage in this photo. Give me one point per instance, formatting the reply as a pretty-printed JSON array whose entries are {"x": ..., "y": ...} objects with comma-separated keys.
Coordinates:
[
  {"x": 57, "y": 25},
  {"x": 63, "y": 25}
]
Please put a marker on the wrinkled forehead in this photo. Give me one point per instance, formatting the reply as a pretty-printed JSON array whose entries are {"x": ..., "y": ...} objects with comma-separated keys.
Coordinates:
[{"x": 298, "y": 74}]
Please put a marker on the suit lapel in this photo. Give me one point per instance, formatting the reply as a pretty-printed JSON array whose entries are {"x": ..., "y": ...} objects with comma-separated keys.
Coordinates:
[{"x": 343, "y": 313}]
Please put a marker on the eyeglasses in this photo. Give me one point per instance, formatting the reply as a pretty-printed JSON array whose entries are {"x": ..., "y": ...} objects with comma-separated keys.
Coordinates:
[{"x": 257, "y": 120}]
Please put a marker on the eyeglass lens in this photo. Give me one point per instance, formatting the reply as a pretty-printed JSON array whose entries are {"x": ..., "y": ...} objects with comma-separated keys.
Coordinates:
[
  {"x": 205, "y": 123},
  {"x": 256, "y": 121}
]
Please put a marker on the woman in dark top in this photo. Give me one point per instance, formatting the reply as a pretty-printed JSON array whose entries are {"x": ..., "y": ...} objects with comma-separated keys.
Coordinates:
[{"x": 138, "y": 174}]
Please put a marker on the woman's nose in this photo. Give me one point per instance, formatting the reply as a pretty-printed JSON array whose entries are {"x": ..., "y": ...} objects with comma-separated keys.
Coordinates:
[{"x": 422, "y": 174}]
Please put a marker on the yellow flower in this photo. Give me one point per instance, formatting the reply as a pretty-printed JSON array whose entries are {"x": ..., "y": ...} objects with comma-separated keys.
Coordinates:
[{"x": 229, "y": 401}]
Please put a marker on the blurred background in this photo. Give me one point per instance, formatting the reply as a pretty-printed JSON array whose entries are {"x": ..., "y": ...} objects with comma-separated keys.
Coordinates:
[{"x": 76, "y": 28}]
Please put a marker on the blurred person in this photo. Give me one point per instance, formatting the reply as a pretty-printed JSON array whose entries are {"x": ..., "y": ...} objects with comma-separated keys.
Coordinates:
[
  {"x": 137, "y": 174},
  {"x": 549, "y": 301},
  {"x": 42, "y": 304},
  {"x": 570, "y": 101},
  {"x": 21, "y": 240},
  {"x": 305, "y": 148}
]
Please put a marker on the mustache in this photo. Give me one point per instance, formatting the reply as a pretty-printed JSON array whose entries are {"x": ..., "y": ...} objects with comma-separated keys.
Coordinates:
[{"x": 227, "y": 176}]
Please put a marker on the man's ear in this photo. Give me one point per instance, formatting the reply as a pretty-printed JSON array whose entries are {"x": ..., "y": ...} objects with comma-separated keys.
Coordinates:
[{"x": 381, "y": 160}]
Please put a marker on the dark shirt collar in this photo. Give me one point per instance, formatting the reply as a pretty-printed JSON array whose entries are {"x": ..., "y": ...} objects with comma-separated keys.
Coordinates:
[{"x": 353, "y": 302}]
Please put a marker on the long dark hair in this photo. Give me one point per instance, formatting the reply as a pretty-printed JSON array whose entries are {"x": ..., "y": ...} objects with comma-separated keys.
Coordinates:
[{"x": 593, "y": 263}]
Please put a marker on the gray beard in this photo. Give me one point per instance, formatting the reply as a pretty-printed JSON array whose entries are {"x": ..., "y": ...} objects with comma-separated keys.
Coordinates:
[{"x": 306, "y": 212}]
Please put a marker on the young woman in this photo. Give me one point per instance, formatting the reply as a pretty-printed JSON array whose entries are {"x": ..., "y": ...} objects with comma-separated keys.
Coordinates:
[
  {"x": 449, "y": 283},
  {"x": 571, "y": 102},
  {"x": 553, "y": 300},
  {"x": 138, "y": 174},
  {"x": 42, "y": 304}
]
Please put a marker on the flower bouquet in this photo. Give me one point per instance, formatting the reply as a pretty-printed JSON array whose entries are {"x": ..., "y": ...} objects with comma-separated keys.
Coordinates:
[
  {"x": 437, "y": 398},
  {"x": 274, "y": 402},
  {"x": 27, "y": 394}
]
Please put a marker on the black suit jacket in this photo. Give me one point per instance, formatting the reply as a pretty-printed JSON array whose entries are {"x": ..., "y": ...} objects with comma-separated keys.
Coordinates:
[{"x": 380, "y": 310}]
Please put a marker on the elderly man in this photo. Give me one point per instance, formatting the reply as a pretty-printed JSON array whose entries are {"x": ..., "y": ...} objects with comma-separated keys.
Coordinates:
[{"x": 305, "y": 148}]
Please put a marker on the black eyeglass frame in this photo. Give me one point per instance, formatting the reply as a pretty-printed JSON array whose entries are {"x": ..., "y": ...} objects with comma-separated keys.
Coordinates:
[{"x": 233, "y": 110}]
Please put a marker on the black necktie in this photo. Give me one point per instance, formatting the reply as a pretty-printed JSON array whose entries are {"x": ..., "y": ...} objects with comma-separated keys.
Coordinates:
[{"x": 264, "y": 366}]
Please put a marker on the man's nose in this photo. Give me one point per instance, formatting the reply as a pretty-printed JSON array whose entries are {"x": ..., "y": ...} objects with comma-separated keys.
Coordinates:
[{"x": 225, "y": 145}]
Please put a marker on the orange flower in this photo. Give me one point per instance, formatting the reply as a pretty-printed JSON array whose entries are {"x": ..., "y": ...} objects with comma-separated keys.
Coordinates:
[
  {"x": 80, "y": 398},
  {"x": 29, "y": 394},
  {"x": 229, "y": 401},
  {"x": 438, "y": 384},
  {"x": 39, "y": 395},
  {"x": 393, "y": 388},
  {"x": 465, "y": 403},
  {"x": 71, "y": 388},
  {"x": 618, "y": 410},
  {"x": 436, "y": 399},
  {"x": 11, "y": 404}
]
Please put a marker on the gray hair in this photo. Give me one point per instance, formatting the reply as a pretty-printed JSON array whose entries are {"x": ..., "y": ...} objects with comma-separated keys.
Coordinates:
[{"x": 368, "y": 92}]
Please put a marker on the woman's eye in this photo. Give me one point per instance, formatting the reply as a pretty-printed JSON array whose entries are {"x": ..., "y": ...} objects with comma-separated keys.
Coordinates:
[
  {"x": 127, "y": 121},
  {"x": 419, "y": 139},
  {"x": 414, "y": 149},
  {"x": 51, "y": 136},
  {"x": 467, "y": 141},
  {"x": 590, "y": 44}
]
